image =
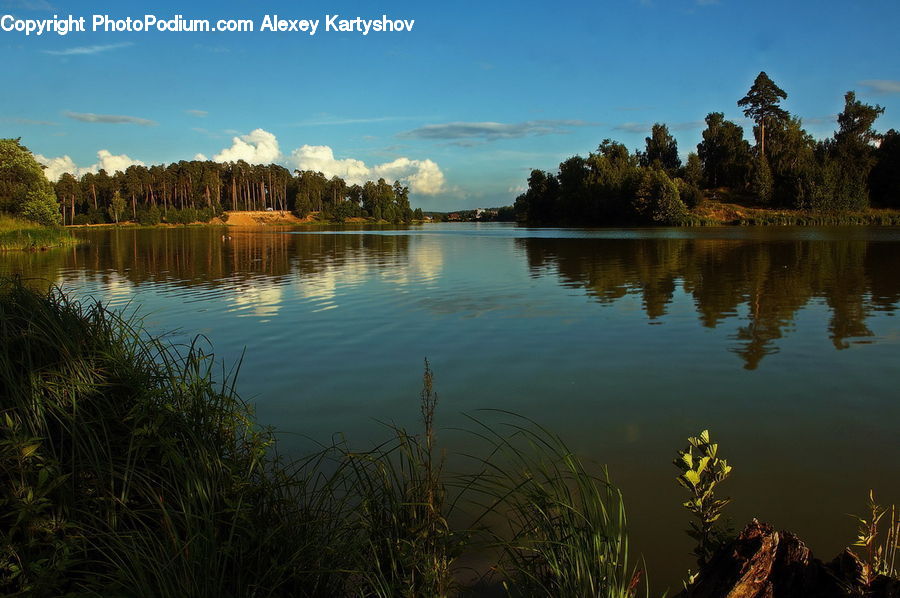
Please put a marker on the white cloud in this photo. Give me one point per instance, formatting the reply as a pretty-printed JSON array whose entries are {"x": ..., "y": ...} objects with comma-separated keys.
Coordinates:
[
  {"x": 82, "y": 50},
  {"x": 55, "y": 167},
  {"x": 114, "y": 119},
  {"x": 261, "y": 147},
  {"x": 422, "y": 176},
  {"x": 106, "y": 160},
  {"x": 111, "y": 163},
  {"x": 881, "y": 86},
  {"x": 257, "y": 147}
]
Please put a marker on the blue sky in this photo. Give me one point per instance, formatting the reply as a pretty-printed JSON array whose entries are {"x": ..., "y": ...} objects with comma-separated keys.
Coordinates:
[{"x": 462, "y": 107}]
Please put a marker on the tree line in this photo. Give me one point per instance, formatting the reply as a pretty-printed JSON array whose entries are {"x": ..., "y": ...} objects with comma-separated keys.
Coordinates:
[
  {"x": 190, "y": 191},
  {"x": 855, "y": 169}
]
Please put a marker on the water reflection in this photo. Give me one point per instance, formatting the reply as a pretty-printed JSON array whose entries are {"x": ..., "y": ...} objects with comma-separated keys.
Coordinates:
[
  {"x": 765, "y": 284},
  {"x": 760, "y": 284},
  {"x": 553, "y": 324}
]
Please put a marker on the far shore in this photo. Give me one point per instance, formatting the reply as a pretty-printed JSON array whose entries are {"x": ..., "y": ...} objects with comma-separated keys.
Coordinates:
[
  {"x": 243, "y": 218},
  {"x": 709, "y": 212}
]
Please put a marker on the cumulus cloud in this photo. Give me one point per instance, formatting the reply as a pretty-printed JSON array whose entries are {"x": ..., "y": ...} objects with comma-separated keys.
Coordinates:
[
  {"x": 261, "y": 147},
  {"x": 114, "y": 119},
  {"x": 198, "y": 113},
  {"x": 422, "y": 176},
  {"x": 881, "y": 86},
  {"x": 83, "y": 50},
  {"x": 491, "y": 131},
  {"x": 106, "y": 160},
  {"x": 257, "y": 147}
]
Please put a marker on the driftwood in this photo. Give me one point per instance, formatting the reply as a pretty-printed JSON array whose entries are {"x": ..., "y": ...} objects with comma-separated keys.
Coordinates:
[{"x": 764, "y": 563}]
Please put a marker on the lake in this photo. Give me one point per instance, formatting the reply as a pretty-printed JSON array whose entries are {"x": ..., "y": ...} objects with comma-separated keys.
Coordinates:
[{"x": 784, "y": 342}]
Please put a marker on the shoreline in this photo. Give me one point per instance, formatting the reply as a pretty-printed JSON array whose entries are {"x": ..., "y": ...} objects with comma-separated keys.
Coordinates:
[
  {"x": 255, "y": 218},
  {"x": 708, "y": 213}
]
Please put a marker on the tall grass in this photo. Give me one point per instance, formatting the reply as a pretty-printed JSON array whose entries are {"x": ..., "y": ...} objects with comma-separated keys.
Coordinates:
[
  {"x": 130, "y": 467},
  {"x": 18, "y": 234},
  {"x": 565, "y": 528}
]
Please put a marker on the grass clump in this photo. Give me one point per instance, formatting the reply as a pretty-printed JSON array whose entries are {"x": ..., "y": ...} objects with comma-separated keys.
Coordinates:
[
  {"x": 130, "y": 467},
  {"x": 879, "y": 555},
  {"x": 565, "y": 528},
  {"x": 18, "y": 234}
]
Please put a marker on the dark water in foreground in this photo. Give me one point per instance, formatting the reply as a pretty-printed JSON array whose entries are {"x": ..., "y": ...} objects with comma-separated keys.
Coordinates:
[{"x": 784, "y": 342}]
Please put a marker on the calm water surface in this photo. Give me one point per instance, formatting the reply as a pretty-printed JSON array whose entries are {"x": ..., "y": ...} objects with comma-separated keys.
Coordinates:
[{"x": 784, "y": 342}]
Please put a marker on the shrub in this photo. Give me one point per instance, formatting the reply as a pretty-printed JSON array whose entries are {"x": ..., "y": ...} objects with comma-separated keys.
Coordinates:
[
  {"x": 657, "y": 199},
  {"x": 149, "y": 217},
  {"x": 41, "y": 207}
]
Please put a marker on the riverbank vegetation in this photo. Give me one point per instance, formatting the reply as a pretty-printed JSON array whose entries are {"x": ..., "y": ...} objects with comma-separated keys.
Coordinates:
[
  {"x": 20, "y": 234},
  {"x": 29, "y": 212},
  {"x": 787, "y": 177},
  {"x": 198, "y": 191},
  {"x": 130, "y": 467}
]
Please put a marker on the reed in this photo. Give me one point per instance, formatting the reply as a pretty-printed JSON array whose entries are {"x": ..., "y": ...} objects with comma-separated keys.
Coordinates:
[
  {"x": 17, "y": 234},
  {"x": 565, "y": 527},
  {"x": 129, "y": 466}
]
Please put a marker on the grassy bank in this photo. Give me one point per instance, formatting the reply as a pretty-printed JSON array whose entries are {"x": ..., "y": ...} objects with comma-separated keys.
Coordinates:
[
  {"x": 724, "y": 207},
  {"x": 18, "y": 234},
  {"x": 130, "y": 467}
]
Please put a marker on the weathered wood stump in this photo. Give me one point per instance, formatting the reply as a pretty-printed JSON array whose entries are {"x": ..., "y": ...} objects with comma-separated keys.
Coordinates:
[{"x": 764, "y": 563}]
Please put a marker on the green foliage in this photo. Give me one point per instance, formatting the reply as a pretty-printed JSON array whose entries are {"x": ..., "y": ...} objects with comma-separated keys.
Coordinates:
[
  {"x": 566, "y": 531},
  {"x": 661, "y": 150},
  {"x": 851, "y": 156},
  {"x": 789, "y": 169},
  {"x": 724, "y": 152},
  {"x": 884, "y": 180},
  {"x": 401, "y": 511},
  {"x": 117, "y": 207},
  {"x": 657, "y": 198},
  {"x": 693, "y": 170},
  {"x": 41, "y": 207},
  {"x": 793, "y": 165},
  {"x": 18, "y": 234},
  {"x": 761, "y": 102},
  {"x": 763, "y": 185},
  {"x": 128, "y": 468},
  {"x": 880, "y": 556},
  {"x": 189, "y": 215},
  {"x": 761, "y": 105},
  {"x": 689, "y": 193},
  {"x": 701, "y": 472},
  {"x": 20, "y": 176},
  {"x": 149, "y": 217}
]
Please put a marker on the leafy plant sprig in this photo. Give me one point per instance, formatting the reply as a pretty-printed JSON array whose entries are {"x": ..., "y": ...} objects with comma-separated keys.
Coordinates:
[{"x": 701, "y": 472}]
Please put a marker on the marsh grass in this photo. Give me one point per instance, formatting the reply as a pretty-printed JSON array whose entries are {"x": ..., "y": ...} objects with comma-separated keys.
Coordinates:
[
  {"x": 129, "y": 466},
  {"x": 879, "y": 555},
  {"x": 565, "y": 527},
  {"x": 17, "y": 234}
]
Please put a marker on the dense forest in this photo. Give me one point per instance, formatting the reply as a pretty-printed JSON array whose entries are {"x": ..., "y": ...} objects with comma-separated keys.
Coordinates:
[
  {"x": 191, "y": 191},
  {"x": 857, "y": 168}
]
